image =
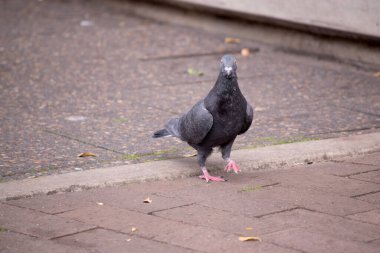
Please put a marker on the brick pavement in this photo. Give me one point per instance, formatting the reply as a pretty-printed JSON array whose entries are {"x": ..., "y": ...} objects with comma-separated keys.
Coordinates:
[{"x": 326, "y": 207}]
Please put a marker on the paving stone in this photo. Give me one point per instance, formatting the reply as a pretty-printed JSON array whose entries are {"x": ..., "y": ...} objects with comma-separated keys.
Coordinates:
[
  {"x": 231, "y": 198},
  {"x": 372, "y": 176},
  {"x": 37, "y": 224},
  {"x": 133, "y": 199},
  {"x": 314, "y": 199},
  {"x": 300, "y": 178},
  {"x": 210, "y": 240},
  {"x": 369, "y": 217},
  {"x": 371, "y": 197},
  {"x": 214, "y": 218},
  {"x": 100, "y": 240},
  {"x": 334, "y": 226},
  {"x": 342, "y": 169},
  {"x": 375, "y": 243},
  {"x": 56, "y": 203},
  {"x": 124, "y": 220},
  {"x": 11, "y": 242},
  {"x": 311, "y": 241}
]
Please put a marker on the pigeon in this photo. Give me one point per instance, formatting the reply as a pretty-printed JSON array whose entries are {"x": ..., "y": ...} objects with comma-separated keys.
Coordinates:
[{"x": 214, "y": 121}]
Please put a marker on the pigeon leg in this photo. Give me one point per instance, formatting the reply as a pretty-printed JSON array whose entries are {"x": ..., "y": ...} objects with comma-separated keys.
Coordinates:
[
  {"x": 208, "y": 177},
  {"x": 202, "y": 155},
  {"x": 231, "y": 165},
  {"x": 226, "y": 152}
]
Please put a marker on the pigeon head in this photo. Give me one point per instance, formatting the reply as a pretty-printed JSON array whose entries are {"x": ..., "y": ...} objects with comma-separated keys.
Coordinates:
[{"x": 228, "y": 66}]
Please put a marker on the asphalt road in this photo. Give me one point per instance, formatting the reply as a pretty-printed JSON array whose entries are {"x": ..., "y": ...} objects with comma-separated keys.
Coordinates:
[{"x": 88, "y": 76}]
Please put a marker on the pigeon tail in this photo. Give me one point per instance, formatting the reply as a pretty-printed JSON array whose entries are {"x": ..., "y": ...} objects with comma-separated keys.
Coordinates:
[{"x": 161, "y": 133}]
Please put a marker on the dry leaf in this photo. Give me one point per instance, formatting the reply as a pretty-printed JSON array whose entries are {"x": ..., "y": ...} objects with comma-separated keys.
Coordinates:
[
  {"x": 248, "y": 228},
  {"x": 190, "y": 155},
  {"x": 377, "y": 74},
  {"x": 230, "y": 40},
  {"x": 99, "y": 203},
  {"x": 134, "y": 229},
  {"x": 194, "y": 72},
  {"x": 147, "y": 200},
  {"x": 245, "y": 52},
  {"x": 86, "y": 154},
  {"x": 249, "y": 238}
]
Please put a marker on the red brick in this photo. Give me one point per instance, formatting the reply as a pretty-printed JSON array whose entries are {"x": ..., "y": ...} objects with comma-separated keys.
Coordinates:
[
  {"x": 369, "y": 217},
  {"x": 100, "y": 240},
  {"x": 218, "y": 219},
  {"x": 38, "y": 224},
  {"x": 13, "y": 242},
  {"x": 211, "y": 240},
  {"x": 312, "y": 241},
  {"x": 123, "y": 220},
  {"x": 372, "y": 176},
  {"x": 315, "y": 200},
  {"x": 345, "y": 229},
  {"x": 302, "y": 179},
  {"x": 371, "y": 198}
]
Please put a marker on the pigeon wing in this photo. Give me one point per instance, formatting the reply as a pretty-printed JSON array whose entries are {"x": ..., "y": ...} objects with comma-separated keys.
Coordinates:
[
  {"x": 193, "y": 126},
  {"x": 247, "y": 119}
]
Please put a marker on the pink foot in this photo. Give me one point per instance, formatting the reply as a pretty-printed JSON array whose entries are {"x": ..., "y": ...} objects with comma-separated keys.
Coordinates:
[
  {"x": 208, "y": 177},
  {"x": 232, "y": 166}
]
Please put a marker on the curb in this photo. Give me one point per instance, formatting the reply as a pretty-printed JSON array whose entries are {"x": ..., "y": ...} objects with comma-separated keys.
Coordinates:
[{"x": 249, "y": 159}]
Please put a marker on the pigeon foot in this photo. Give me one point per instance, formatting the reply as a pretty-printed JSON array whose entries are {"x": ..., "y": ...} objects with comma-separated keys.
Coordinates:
[
  {"x": 208, "y": 177},
  {"x": 232, "y": 166}
]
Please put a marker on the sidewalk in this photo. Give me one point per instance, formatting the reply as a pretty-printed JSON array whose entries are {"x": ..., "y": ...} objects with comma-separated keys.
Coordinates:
[{"x": 324, "y": 207}]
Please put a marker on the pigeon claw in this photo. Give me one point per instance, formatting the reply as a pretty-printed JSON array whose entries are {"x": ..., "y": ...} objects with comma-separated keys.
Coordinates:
[
  {"x": 212, "y": 178},
  {"x": 232, "y": 166},
  {"x": 208, "y": 177}
]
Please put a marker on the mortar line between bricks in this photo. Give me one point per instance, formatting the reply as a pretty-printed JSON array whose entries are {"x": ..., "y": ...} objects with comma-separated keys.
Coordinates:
[
  {"x": 26, "y": 208},
  {"x": 364, "y": 194},
  {"x": 361, "y": 221},
  {"x": 81, "y": 141},
  {"x": 373, "y": 240},
  {"x": 281, "y": 211},
  {"x": 362, "y": 180},
  {"x": 286, "y": 247},
  {"x": 358, "y": 173},
  {"x": 74, "y": 233},
  {"x": 160, "y": 210},
  {"x": 144, "y": 237},
  {"x": 21, "y": 233}
]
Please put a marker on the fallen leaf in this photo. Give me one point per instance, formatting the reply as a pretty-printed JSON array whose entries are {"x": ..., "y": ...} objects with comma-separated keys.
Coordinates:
[
  {"x": 377, "y": 74},
  {"x": 248, "y": 228},
  {"x": 245, "y": 52},
  {"x": 230, "y": 40},
  {"x": 134, "y": 229},
  {"x": 259, "y": 109},
  {"x": 194, "y": 72},
  {"x": 147, "y": 200},
  {"x": 86, "y": 154},
  {"x": 249, "y": 238},
  {"x": 190, "y": 155},
  {"x": 99, "y": 203}
]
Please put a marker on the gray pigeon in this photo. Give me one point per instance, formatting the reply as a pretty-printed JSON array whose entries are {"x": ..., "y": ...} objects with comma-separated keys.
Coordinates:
[{"x": 215, "y": 121}]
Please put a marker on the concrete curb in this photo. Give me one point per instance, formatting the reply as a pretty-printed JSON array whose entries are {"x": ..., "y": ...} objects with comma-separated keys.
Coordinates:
[{"x": 249, "y": 159}]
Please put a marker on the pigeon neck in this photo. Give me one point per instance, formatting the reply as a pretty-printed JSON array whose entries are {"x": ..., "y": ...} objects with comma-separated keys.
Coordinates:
[{"x": 225, "y": 85}]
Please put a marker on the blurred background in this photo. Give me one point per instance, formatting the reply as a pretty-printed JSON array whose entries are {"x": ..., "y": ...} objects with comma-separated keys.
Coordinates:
[{"x": 83, "y": 84}]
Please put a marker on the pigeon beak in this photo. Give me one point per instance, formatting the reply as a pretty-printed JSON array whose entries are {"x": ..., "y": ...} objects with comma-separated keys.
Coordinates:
[{"x": 228, "y": 71}]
